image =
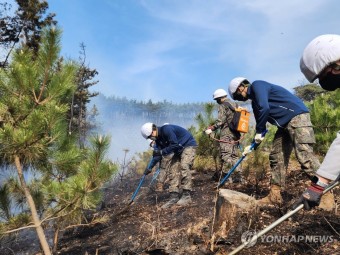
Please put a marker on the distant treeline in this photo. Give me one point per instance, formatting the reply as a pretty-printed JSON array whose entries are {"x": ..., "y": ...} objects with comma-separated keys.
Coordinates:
[
  {"x": 122, "y": 119},
  {"x": 122, "y": 108}
]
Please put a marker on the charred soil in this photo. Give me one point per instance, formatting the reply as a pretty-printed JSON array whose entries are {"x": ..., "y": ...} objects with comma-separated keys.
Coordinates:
[{"x": 144, "y": 228}]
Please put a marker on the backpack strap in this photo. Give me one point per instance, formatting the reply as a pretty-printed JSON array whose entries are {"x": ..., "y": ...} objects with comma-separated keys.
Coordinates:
[
  {"x": 232, "y": 108},
  {"x": 227, "y": 104}
]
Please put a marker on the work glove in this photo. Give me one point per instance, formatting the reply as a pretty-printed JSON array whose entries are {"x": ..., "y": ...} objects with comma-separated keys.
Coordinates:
[
  {"x": 246, "y": 150},
  {"x": 151, "y": 142},
  {"x": 147, "y": 171},
  {"x": 157, "y": 153},
  {"x": 310, "y": 197},
  {"x": 209, "y": 130},
  {"x": 258, "y": 138}
]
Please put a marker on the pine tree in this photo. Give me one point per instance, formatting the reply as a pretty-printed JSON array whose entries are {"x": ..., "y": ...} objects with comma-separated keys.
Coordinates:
[
  {"x": 32, "y": 110},
  {"x": 27, "y": 23},
  {"x": 33, "y": 17},
  {"x": 325, "y": 116},
  {"x": 308, "y": 92},
  {"x": 76, "y": 196},
  {"x": 36, "y": 91},
  {"x": 206, "y": 146},
  {"x": 78, "y": 114}
]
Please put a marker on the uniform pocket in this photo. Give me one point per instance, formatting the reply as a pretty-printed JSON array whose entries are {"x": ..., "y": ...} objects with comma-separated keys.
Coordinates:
[
  {"x": 304, "y": 135},
  {"x": 301, "y": 120}
]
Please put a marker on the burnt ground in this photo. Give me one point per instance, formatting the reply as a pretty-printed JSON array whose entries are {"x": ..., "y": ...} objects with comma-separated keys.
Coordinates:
[{"x": 144, "y": 228}]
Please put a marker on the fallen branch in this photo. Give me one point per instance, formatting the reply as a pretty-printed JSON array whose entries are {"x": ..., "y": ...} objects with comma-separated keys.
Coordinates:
[{"x": 331, "y": 226}]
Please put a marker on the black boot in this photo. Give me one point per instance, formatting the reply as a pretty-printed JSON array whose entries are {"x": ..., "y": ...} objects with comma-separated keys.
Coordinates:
[
  {"x": 236, "y": 177},
  {"x": 217, "y": 175},
  {"x": 185, "y": 199},
  {"x": 174, "y": 197}
]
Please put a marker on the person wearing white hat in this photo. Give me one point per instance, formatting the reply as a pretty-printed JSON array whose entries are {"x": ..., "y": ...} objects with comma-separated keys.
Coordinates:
[
  {"x": 321, "y": 60},
  {"x": 228, "y": 139},
  {"x": 276, "y": 105},
  {"x": 176, "y": 149}
]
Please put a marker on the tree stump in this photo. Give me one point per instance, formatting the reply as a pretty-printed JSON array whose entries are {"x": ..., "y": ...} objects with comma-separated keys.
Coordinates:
[{"x": 234, "y": 213}]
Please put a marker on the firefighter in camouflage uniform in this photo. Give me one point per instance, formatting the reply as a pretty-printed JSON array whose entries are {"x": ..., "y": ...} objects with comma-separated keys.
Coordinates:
[
  {"x": 175, "y": 150},
  {"x": 228, "y": 140},
  {"x": 276, "y": 105}
]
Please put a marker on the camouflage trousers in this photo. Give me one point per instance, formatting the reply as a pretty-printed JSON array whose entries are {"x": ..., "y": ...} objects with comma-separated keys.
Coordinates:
[
  {"x": 298, "y": 135},
  {"x": 177, "y": 169},
  {"x": 228, "y": 153}
]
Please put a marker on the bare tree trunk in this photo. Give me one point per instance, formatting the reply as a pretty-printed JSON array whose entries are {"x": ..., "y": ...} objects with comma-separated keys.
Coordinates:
[
  {"x": 55, "y": 240},
  {"x": 31, "y": 204}
]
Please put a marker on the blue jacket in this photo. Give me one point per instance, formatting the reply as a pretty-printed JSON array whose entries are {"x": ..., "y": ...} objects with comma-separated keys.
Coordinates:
[
  {"x": 274, "y": 104},
  {"x": 172, "y": 139}
]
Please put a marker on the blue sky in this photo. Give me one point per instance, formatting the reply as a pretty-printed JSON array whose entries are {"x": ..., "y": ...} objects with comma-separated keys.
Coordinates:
[{"x": 182, "y": 50}]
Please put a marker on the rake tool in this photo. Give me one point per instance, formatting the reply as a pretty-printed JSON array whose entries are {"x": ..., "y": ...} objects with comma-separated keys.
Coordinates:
[
  {"x": 154, "y": 177},
  {"x": 277, "y": 222},
  {"x": 233, "y": 168},
  {"x": 134, "y": 194},
  {"x": 252, "y": 146}
]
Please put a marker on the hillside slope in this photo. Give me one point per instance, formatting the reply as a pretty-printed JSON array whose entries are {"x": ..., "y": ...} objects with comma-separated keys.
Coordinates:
[{"x": 145, "y": 228}]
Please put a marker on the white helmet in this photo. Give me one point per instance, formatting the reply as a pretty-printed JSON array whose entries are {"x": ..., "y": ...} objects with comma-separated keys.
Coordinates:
[
  {"x": 234, "y": 85},
  {"x": 219, "y": 93},
  {"x": 146, "y": 130},
  {"x": 318, "y": 54}
]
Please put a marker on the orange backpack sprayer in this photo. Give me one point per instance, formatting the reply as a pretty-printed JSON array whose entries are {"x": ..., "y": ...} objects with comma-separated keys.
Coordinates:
[{"x": 240, "y": 120}]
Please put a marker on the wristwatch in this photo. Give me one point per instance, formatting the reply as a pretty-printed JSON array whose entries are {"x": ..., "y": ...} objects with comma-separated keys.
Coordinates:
[{"x": 316, "y": 180}]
